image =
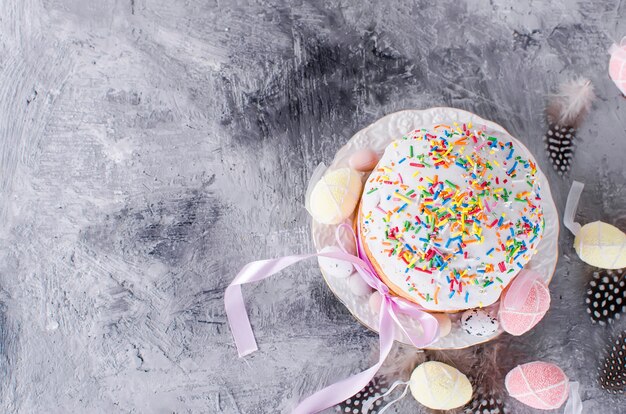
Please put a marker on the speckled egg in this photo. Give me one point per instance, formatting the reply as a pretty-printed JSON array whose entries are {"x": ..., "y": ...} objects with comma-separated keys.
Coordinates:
[
  {"x": 479, "y": 322},
  {"x": 334, "y": 267}
]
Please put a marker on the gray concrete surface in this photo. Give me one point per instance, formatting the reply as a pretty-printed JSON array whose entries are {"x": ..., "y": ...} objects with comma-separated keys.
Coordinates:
[{"x": 149, "y": 148}]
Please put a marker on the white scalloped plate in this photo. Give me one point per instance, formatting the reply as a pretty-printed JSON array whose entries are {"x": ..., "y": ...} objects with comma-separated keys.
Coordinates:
[{"x": 376, "y": 137}]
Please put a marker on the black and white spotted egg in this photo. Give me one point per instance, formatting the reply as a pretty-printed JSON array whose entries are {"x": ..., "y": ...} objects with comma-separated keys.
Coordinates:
[{"x": 479, "y": 322}]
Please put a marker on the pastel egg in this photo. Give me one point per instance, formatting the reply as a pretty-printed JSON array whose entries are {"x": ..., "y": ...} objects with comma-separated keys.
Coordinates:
[
  {"x": 334, "y": 267},
  {"x": 358, "y": 286},
  {"x": 601, "y": 245},
  {"x": 445, "y": 324},
  {"x": 335, "y": 196},
  {"x": 375, "y": 300},
  {"x": 363, "y": 160},
  {"x": 617, "y": 65},
  {"x": 439, "y": 386},
  {"x": 538, "y": 384},
  {"x": 479, "y": 322},
  {"x": 519, "y": 321}
]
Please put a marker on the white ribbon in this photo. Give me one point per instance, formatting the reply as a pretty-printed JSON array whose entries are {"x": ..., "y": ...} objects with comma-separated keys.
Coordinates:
[
  {"x": 574, "y": 403},
  {"x": 369, "y": 403},
  {"x": 571, "y": 206}
]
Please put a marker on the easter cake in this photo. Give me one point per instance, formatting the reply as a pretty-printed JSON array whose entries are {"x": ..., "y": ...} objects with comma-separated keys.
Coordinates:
[{"x": 450, "y": 215}]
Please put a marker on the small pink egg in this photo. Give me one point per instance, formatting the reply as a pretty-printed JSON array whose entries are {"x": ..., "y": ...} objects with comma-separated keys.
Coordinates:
[
  {"x": 538, "y": 384},
  {"x": 520, "y": 321},
  {"x": 445, "y": 324},
  {"x": 363, "y": 160},
  {"x": 617, "y": 65},
  {"x": 375, "y": 300}
]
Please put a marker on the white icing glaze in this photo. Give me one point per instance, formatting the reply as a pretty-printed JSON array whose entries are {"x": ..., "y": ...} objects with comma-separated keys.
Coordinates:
[{"x": 478, "y": 278}]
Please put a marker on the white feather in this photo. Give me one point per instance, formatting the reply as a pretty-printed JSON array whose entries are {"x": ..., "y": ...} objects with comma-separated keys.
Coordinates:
[
  {"x": 571, "y": 104},
  {"x": 401, "y": 362}
]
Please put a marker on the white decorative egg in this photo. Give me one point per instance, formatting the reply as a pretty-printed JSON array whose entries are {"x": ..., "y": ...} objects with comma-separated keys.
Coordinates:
[{"x": 358, "y": 286}]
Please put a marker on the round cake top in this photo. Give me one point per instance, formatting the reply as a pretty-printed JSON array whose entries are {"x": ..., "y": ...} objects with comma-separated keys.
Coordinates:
[{"x": 450, "y": 215}]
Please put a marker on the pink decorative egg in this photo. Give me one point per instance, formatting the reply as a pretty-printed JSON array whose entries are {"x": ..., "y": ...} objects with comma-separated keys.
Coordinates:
[
  {"x": 363, "y": 160},
  {"x": 617, "y": 65},
  {"x": 538, "y": 384},
  {"x": 519, "y": 321},
  {"x": 375, "y": 300}
]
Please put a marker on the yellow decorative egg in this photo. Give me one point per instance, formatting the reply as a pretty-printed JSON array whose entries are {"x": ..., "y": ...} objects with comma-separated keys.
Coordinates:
[
  {"x": 335, "y": 196},
  {"x": 439, "y": 386},
  {"x": 601, "y": 245}
]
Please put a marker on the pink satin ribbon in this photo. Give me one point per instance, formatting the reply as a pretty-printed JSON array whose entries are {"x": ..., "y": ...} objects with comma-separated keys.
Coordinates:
[{"x": 388, "y": 319}]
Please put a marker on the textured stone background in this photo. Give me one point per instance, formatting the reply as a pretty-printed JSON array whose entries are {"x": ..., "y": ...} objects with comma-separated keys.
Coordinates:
[{"x": 149, "y": 148}]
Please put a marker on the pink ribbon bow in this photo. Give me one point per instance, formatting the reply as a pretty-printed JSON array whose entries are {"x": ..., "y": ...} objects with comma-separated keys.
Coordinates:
[{"x": 388, "y": 319}]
